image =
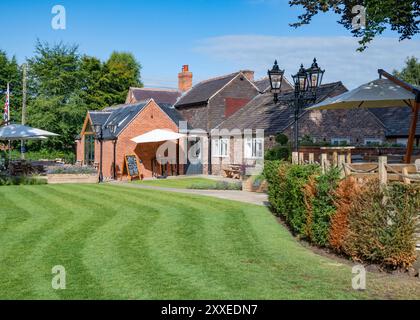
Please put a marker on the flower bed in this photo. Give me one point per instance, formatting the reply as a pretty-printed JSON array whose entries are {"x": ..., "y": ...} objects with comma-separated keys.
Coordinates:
[{"x": 72, "y": 174}]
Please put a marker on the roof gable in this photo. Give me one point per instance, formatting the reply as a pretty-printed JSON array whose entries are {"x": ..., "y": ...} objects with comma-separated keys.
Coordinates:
[
  {"x": 169, "y": 96},
  {"x": 204, "y": 90}
]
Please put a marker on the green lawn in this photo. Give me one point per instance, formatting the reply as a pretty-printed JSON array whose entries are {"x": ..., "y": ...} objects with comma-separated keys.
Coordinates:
[
  {"x": 123, "y": 243},
  {"x": 180, "y": 183}
]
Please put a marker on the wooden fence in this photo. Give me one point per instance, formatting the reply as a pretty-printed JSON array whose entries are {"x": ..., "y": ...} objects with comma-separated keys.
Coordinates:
[{"x": 407, "y": 173}]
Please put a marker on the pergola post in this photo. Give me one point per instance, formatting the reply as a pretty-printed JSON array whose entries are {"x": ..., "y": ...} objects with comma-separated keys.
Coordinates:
[{"x": 412, "y": 133}]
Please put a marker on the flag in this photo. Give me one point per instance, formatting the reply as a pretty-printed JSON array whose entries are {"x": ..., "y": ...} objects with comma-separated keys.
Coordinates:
[{"x": 6, "y": 113}]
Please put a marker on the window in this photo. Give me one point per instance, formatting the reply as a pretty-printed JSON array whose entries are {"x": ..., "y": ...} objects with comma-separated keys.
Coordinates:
[
  {"x": 373, "y": 141},
  {"x": 340, "y": 141},
  {"x": 89, "y": 149},
  {"x": 220, "y": 147},
  {"x": 254, "y": 148}
]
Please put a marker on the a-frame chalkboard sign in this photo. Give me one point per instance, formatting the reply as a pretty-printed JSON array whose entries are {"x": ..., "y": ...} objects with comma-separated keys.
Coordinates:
[{"x": 132, "y": 166}]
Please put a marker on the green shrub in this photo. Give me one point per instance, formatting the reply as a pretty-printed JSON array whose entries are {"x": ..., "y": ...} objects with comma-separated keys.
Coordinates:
[
  {"x": 282, "y": 139},
  {"x": 22, "y": 180},
  {"x": 285, "y": 191},
  {"x": 219, "y": 185},
  {"x": 278, "y": 153},
  {"x": 323, "y": 206},
  {"x": 44, "y": 154}
]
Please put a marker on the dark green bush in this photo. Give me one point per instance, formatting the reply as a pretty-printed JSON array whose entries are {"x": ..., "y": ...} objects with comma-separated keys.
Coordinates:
[
  {"x": 277, "y": 153},
  {"x": 285, "y": 191},
  {"x": 323, "y": 206},
  {"x": 43, "y": 154},
  {"x": 15, "y": 181},
  {"x": 282, "y": 139},
  {"x": 220, "y": 185}
]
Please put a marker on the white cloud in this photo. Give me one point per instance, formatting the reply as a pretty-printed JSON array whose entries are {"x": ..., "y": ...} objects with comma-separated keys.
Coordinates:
[{"x": 336, "y": 54}]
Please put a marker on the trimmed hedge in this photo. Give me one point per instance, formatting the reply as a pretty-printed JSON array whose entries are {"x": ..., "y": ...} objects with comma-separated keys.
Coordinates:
[
  {"x": 362, "y": 221},
  {"x": 16, "y": 181},
  {"x": 382, "y": 225}
]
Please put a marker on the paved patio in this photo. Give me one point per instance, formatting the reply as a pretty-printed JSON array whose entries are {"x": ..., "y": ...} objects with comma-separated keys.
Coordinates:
[{"x": 242, "y": 196}]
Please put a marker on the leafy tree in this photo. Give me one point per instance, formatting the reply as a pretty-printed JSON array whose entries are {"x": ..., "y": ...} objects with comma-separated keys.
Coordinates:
[
  {"x": 399, "y": 15},
  {"x": 120, "y": 72},
  {"x": 411, "y": 72},
  {"x": 64, "y": 85}
]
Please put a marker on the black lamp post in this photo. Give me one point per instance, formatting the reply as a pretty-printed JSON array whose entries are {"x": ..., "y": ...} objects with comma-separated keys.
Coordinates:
[
  {"x": 99, "y": 129},
  {"x": 276, "y": 79},
  {"x": 306, "y": 82}
]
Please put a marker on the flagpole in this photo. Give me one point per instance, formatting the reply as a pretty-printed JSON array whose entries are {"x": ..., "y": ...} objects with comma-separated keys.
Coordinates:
[
  {"x": 22, "y": 143},
  {"x": 8, "y": 118}
]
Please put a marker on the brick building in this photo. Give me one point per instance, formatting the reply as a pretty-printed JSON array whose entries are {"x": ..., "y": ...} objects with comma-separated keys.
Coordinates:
[
  {"x": 231, "y": 103},
  {"x": 212, "y": 101},
  {"x": 203, "y": 106},
  {"x": 132, "y": 120}
]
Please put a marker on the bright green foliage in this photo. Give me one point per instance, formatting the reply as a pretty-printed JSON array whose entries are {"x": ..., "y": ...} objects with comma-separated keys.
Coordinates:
[
  {"x": 285, "y": 191},
  {"x": 323, "y": 206},
  {"x": 63, "y": 86},
  {"x": 121, "y": 72},
  {"x": 411, "y": 72},
  {"x": 280, "y": 151}
]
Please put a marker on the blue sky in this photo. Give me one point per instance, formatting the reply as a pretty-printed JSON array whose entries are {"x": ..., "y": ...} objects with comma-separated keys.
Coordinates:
[{"x": 213, "y": 36}]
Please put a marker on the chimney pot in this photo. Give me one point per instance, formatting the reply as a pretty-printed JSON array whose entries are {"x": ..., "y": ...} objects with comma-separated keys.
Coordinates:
[
  {"x": 249, "y": 74},
  {"x": 185, "y": 79}
]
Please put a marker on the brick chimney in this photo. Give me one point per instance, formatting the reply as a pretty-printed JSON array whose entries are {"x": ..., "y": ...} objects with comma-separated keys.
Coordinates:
[
  {"x": 249, "y": 74},
  {"x": 185, "y": 79}
]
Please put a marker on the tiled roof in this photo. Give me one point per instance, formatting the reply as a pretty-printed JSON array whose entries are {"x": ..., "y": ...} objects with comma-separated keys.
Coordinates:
[
  {"x": 169, "y": 96},
  {"x": 122, "y": 115},
  {"x": 99, "y": 117},
  {"x": 396, "y": 120},
  {"x": 264, "y": 84},
  {"x": 203, "y": 91},
  {"x": 262, "y": 113},
  {"x": 175, "y": 116}
]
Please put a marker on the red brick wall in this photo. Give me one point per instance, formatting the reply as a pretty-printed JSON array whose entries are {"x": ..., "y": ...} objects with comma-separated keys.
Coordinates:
[
  {"x": 80, "y": 150},
  {"x": 150, "y": 118},
  {"x": 234, "y": 104}
]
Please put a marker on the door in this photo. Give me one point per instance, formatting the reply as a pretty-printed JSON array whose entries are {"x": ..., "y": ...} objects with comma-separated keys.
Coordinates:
[{"x": 195, "y": 157}]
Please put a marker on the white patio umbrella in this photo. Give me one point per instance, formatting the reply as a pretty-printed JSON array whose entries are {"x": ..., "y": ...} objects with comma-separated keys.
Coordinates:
[
  {"x": 19, "y": 132},
  {"x": 375, "y": 94},
  {"x": 157, "y": 135},
  {"x": 381, "y": 93}
]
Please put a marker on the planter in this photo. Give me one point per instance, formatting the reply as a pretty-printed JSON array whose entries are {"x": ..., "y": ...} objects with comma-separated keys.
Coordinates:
[
  {"x": 248, "y": 184},
  {"x": 72, "y": 178}
]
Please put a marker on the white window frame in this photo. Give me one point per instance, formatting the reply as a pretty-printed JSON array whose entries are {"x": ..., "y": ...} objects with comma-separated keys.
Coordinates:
[
  {"x": 369, "y": 141},
  {"x": 220, "y": 147},
  {"x": 338, "y": 140},
  {"x": 254, "y": 148}
]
